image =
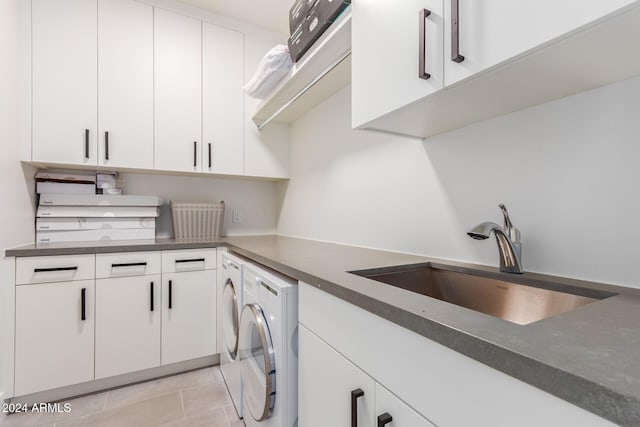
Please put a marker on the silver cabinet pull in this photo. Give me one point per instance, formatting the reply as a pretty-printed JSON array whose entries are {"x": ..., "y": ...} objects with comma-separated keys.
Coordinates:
[
  {"x": 422, "y": 55},
  {"x": 455, "y": 33}
]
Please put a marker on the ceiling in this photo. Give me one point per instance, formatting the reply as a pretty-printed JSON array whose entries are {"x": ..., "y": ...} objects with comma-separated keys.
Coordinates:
[{"x": 270, "y": 14}]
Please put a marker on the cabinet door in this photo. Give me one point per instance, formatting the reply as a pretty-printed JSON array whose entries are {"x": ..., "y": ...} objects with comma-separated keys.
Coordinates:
[
  {"x": 64, "y": 39},
  {"x": 386, "y": 55},
  {"x": 326, "y": 382},
  {"x": 54, "y": 345},
  {"x": 127, "y": 325},
  {"x": 222, "y": 100},
  {"x": 125, "y": 84},
  {"x": 492, "y": 31},
  {"x": 188, "y": 315},
  {"x": 389, "y": 406},
  {"x": 178, "y": 91}
]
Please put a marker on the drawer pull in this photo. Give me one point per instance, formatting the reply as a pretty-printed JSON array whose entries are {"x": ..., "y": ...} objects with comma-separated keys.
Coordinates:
[
  {"x": 182, "y": 261},
  {"x": 170, "y": 294},
  {"x": 44, "y": 270},
  {"x": 384, "y": 419},
  {"x": 209, "y": 155},
  {"x": 151, "y": 294},
  {"x": 195, "y": 153},
  {"x": 355, "y": 395},
  {"x": 129, "y": 264},
  {"x": 422, "y": 55},
  {"x": 455, "y": 33},
  {"x": 106, "y": 145},
  {"x": 86, "y": 144},
  {"x": 83, "y": 310}
]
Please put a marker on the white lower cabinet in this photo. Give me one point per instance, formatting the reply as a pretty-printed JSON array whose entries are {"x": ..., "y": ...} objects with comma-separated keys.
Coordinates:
[
  {"x": 54, "y": 335},
  {"x": 127, "y": 325},
  {"x": 328, "y": 385},
  {"x": 393, "y": 412},
  {"x": 89, "y": 317},
  {"x": 188, "y": 315},
  {"x": 334, "y": 391},
  {"x": 188, "y": 304},
  {"x": 127, "y": 312}
]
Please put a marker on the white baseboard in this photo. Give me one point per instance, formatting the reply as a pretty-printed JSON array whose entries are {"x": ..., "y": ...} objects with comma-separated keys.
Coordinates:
[{"x": 112, "y": 382}]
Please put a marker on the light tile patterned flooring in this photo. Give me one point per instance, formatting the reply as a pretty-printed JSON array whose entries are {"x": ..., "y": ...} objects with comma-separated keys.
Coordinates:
[{"x": 195, "y": 399}]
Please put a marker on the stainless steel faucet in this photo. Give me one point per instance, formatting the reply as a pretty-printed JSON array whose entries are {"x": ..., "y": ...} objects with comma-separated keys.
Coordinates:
[{"x": 508, "y": 239}]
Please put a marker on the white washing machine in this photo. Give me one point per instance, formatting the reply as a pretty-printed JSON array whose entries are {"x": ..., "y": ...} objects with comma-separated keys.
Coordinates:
[
  {"x": 268, "y": 349},
  {"x": 230, "y": 310}
]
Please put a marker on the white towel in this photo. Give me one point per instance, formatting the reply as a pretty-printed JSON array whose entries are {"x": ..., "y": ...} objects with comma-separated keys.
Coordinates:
[{"x": 273, "y": 67}]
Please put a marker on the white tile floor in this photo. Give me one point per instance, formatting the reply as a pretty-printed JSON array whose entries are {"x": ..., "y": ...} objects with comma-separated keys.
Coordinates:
[{"x": 195, "y": 399}]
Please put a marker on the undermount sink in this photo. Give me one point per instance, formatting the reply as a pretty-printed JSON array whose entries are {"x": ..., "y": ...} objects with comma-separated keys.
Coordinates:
[{"x": 477, "y": 290}]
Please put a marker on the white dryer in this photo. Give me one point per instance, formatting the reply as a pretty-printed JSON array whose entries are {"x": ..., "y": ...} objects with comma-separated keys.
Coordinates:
[
  {"x": 230, "y": 309},
  {"x": 269, "y": 349}
]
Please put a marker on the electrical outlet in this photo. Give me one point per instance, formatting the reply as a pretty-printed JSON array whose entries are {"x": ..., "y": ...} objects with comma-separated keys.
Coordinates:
[{"x": 237, "y": 218}]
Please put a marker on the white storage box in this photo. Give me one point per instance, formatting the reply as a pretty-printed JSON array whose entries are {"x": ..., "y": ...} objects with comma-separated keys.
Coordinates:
[
  {"x": 97, "y": 200},
  {"x": 197, "y": 221},
  {"x": 97, "y": 211},
  {"x": 94, "y": 223}
]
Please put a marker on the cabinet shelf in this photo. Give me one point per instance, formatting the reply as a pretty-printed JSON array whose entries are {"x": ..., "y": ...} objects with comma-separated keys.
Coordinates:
[
  {"x": 591, "y": 56},
  {"x": 322, "y": 71}
]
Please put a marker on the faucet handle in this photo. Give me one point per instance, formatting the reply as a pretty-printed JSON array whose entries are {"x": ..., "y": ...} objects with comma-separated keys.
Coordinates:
[{"x": 511, "y": 232}]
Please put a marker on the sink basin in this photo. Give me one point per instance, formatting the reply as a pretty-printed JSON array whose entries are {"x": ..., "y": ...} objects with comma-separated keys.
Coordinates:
[{"x": 488, "y": 292}]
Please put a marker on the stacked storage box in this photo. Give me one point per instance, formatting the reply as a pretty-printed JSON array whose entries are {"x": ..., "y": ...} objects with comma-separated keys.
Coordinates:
[
  {"x": 308, "y": 20},
  {"x": 51, "y": 182},
  {"x": 84, "y": 217}
]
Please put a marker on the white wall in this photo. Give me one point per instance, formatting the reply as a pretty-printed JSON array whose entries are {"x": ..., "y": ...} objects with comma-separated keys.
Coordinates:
[
  {"x": 16, "y": 181},
  {"x": 567, "y": 170},
  {"x": 255, "y": 200}
]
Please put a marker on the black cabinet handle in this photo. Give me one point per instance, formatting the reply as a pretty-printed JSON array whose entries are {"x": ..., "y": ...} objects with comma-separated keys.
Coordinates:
[
  {"x": 83, "y": 295},
  {"x": 209, "y": 155},
  {"x": 195, "y": 153},
  {"x": 170, "y": 294},
  {"x": 455, "y": 33},
  {"x": 384, "y": 419},
  {"x": 355, "y": 394},
  {"x": 151, "y": 296},
  {"x": 86, "y": 143},
  {"x": 106, "y": 145},
  {"x": 422, "y": 55},
  {"x": 179, "y": 261},
  {"x": 43, "y": 270},
  {"x": 130, "y": 264}
]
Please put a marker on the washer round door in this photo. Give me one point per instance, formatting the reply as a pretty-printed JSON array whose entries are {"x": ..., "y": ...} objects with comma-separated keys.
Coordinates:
[
  {"x": 230, "y": 319},
  {"x": 258, "y": 363}
]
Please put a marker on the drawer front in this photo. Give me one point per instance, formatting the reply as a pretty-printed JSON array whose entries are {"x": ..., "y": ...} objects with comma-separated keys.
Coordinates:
[
  {"x": 61, "y": 268},
  {"x": 128, "y": 264},
  {"x": 188, "y": 260}
]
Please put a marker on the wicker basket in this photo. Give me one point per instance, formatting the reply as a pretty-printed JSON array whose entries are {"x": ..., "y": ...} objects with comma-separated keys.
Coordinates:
[{"x": 197, "y": 221}]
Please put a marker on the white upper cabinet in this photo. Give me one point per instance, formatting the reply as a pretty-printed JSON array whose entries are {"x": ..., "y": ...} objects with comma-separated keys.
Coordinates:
[
  {"x": 485, "y": 58},
  {"x": 389, "y": 40},
  {"x": 222, "y": 100},
  {"x": 125, "y": 84},
  {"x": 64, "y": 40},
  {"x": 492, "y": 31},
  {"x": 178, "y": 92}
]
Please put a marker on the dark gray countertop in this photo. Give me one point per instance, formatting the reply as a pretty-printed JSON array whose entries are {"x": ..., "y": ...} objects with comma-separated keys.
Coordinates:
[{"x": 589, "y": 356}]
